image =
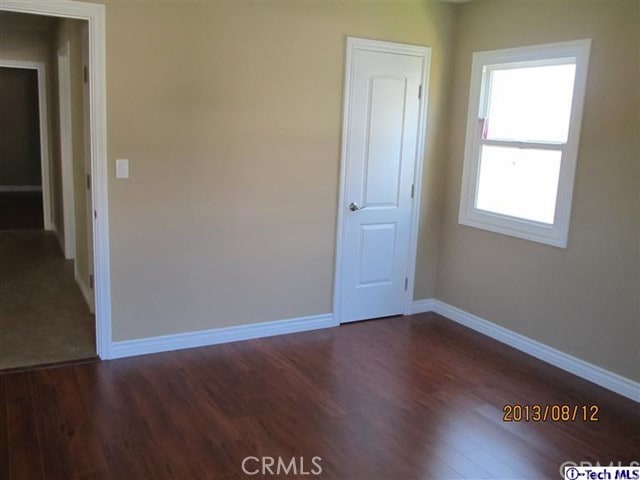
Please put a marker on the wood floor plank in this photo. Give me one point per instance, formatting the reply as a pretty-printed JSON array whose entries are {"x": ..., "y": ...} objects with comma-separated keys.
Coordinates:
[
  {"x": 414, "y": 397},
  {"x": 168, "y": 433},
  {"x": 100, "y": 389},
  {"x": 4, "y": 439},
  {"x": 53, "y": 433},
  {"x": 493, "y": 464},
  {"x": 84, "y": 444},
  {"x": 21, "y": 429}
]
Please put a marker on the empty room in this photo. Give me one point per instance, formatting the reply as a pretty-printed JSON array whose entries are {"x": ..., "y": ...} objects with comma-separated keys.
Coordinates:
[{"x": 320, "y": 239}]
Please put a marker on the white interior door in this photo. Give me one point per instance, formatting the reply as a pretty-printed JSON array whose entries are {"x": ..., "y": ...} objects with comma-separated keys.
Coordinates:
[
  {"x": 382, "y": 147},
  {"x": 86, "y": 99}
]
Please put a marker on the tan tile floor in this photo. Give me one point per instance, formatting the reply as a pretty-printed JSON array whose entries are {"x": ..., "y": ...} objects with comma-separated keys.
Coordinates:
[{"x": 43, "y": 316}]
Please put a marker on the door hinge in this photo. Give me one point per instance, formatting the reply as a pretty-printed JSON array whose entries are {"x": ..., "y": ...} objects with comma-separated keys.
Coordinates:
[
  {"x": 419, "y": 92},
  {"x": 95, "y": 214},
  {"x": 406, "y": 283},
  {"x": 413, "y": 190},
  {"x": 88, "y": 181},
  {"x": 86, "y": 74},
  {"x": 91, "y": 281}
]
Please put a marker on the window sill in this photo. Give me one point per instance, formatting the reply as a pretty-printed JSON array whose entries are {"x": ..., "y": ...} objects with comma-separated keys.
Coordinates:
[{"x": 523, "y": 229}]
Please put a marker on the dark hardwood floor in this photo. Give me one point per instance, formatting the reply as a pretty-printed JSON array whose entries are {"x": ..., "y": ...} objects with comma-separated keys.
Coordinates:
[{"x": 399, "y": 398}]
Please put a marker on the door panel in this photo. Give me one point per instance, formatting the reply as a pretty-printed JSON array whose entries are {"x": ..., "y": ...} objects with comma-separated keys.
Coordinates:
[
  {"x": 380, "y": 158},
  {"x": 384, "y": 141},
  {"x": 377, "y": 246}
]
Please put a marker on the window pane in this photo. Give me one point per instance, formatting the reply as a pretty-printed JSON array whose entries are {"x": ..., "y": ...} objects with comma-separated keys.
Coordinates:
[
  {"x": 530, "y": 104},
  {"x": 518, "y": 182}
]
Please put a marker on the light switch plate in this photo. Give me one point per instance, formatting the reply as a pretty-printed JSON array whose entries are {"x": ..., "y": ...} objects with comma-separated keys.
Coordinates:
[{"x": 122, "y": 168}]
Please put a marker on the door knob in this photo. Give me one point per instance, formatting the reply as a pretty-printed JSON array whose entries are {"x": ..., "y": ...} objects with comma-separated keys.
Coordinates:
[{"x": 354, "y": 207}]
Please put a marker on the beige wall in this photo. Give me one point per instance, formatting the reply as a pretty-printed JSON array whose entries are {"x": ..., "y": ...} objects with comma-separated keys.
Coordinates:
[
  {"x": 230, "y": 115},
  {"x": 21, "y": 44},
  {"x": 583, "y": 300}
]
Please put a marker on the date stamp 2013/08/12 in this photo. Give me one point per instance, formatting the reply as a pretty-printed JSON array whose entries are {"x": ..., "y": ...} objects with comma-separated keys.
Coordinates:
[{"x": 550, "y": 413}]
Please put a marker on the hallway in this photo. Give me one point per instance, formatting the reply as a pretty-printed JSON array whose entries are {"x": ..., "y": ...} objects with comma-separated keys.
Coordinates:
[{"x": 43, "y": 316}]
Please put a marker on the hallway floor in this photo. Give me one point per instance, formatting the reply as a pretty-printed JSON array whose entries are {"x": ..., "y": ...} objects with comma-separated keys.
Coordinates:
[{"x": 43, "y": 316}]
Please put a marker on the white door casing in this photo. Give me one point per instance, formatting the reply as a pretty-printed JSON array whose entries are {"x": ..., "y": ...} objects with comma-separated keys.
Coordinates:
[{"x": 382, "y": 150}]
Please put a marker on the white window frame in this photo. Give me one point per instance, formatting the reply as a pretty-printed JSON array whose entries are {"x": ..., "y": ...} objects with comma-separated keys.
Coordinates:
[{"x": 557, "y": 233}]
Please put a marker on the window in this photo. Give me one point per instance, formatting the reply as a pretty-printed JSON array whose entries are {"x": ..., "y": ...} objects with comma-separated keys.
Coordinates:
[{"x": 523, "y": 129}]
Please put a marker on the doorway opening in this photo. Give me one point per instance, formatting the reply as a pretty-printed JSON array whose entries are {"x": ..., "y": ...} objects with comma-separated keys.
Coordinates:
[
  {"x": 48, "y": 294},
  {"x": 24, "y": 159}
]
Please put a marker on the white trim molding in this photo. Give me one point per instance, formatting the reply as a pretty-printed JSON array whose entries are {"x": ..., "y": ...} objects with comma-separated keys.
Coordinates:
[
  {"x": 598, "y": 375},
  {"x": 202, "y": 338},
  {"x": 423, "y": 306},
  {"x": 94, "y": 14},
  {"x": 484, "y": 64},
  {"x": 45, "y": 146}
]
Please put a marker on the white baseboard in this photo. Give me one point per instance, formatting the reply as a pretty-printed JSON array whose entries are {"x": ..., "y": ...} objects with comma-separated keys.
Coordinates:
[
  {"x": 20, "y": 188},
  {"x": 571, "y": 364},
  {"x": 593, "y": 373},
  {"x": 423, "y": 306},
  {"x": 178, "y": 341},
  {"x": 87, "y": 293}
]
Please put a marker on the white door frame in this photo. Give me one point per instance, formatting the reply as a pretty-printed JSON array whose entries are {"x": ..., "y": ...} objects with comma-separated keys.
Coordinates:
[
  {"x": 94, "y": 14},
  {"x": 66, "y": 152},
  {"x": 354, "y": 44},
  {"x": 43, "y": 113}
]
